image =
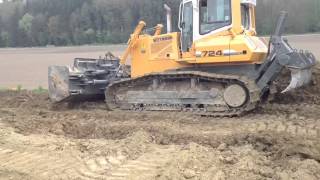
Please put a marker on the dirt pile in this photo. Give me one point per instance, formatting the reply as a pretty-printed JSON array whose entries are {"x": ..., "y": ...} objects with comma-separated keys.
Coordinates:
[{"x": 237, "y": 162}]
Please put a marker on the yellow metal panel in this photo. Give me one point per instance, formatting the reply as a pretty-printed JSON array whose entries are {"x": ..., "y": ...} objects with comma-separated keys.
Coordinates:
[
  {"x": 211, "y": 50},
  {"x": 236, "y": 16},
  {"x": 155, "y": 54},
  {"x": 164, "y": 47},
  {"x": 247, "y": 49}
]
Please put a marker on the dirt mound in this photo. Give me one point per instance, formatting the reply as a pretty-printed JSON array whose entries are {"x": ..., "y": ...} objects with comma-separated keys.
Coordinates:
[
  {"x": 140, "y": 156},
  {"x": 23, "y": 99},
  {"x": 237, "y": 162}
]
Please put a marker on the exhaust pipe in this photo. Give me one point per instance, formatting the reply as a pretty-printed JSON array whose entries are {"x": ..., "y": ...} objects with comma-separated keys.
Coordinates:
[{"x": 169, "y": 18}]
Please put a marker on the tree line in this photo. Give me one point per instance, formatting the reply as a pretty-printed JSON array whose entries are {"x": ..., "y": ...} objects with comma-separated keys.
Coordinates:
[{"x": 75, "y": 22}]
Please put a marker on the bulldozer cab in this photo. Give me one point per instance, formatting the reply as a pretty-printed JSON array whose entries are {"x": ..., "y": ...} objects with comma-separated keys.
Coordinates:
[{"x": 201, "y": 18}]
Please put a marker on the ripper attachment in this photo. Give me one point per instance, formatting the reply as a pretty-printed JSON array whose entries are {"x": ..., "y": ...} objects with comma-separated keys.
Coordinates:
[{"x": 281, "y": 55}]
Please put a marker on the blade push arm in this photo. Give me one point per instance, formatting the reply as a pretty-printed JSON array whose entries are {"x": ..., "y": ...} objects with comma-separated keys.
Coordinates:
[{"x": 132, "y": 41}]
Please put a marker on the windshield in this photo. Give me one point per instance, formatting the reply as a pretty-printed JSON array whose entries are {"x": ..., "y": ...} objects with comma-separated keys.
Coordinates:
[{"x": 214, "y": 14}]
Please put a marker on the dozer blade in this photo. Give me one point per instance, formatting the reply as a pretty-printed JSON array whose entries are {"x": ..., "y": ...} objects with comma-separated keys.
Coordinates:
[
  {"x": 58, "y": 80},
  {"x": 301, "y": 69},
  {"x": 86, "y": 80}
]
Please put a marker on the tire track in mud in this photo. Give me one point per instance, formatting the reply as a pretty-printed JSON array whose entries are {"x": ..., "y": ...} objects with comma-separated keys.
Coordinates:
[
  {"x": 146, "y": 165},
  {"x": 118, "y": 168},
  {"x": 309, "y": 130},
  {"x": 47, "y": 166},
  {"x": 41, "y": 165}
]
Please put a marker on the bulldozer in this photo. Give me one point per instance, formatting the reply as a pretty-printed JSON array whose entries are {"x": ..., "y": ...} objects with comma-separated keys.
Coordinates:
[{"x": 216, "y": 65}]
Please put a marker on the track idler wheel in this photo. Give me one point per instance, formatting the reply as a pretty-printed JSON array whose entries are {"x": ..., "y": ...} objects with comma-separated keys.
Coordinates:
[{"x": 235, "y": 95}]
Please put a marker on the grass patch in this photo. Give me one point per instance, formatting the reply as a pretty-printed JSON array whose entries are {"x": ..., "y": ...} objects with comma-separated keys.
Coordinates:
[
  {"x": 40, "y": 90},
  {"x": 19, "y": 88},
  {"x": 3, "y": 89}
]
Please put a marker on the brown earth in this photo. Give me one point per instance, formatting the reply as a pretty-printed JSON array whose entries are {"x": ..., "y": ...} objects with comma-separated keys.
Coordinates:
[
  {"x": 27, "y": 67},
  {"x": 38, "y": 140}
]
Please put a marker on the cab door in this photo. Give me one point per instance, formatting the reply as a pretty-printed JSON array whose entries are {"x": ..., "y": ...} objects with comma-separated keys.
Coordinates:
[{"x": 186, "y": 26}]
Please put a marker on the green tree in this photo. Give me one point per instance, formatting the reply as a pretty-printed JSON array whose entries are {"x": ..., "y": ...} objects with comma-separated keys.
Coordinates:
[
  {"x": 4, "y": 39},
  {"x": 39, "y": 30},
  {"x": 25, "y": 23},
  {"x": 90, "y": 35},
  {"x": 53, "y": 29},
  {"x": 64, "y": 22}
]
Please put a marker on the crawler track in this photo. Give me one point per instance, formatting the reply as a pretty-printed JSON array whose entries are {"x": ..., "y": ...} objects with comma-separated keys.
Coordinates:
[{"x": 174, "y": 92}]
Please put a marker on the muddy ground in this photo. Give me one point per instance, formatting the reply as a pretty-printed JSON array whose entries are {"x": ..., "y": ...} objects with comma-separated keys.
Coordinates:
[{"x": 279, "y": 140}]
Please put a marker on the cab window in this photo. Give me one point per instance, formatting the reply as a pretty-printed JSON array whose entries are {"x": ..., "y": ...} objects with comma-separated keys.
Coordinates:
[
  {"x": 187, "y": 26},
  {"x": 214, "y": 14}
]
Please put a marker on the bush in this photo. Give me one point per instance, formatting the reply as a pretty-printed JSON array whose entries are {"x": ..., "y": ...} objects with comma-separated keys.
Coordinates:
[{"x": 40, "y": 90}]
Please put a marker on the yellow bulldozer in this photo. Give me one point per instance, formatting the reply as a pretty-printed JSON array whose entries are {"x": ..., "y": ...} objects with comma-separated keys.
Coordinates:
[{"x": 216, "y": 65}]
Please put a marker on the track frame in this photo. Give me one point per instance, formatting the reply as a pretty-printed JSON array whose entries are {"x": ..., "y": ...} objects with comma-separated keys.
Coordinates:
[{"x": 215, "y": 109}]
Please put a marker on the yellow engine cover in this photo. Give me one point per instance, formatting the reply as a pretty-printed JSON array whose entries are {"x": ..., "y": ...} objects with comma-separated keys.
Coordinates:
[
  {"x": 155, "y": 54},
  {"x": 159, "y": 53},
  {"x": 228, "y": 49}
]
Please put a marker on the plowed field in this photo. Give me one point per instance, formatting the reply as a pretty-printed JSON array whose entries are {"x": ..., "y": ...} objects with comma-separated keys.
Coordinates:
[{"x": 280, "y": 140}]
